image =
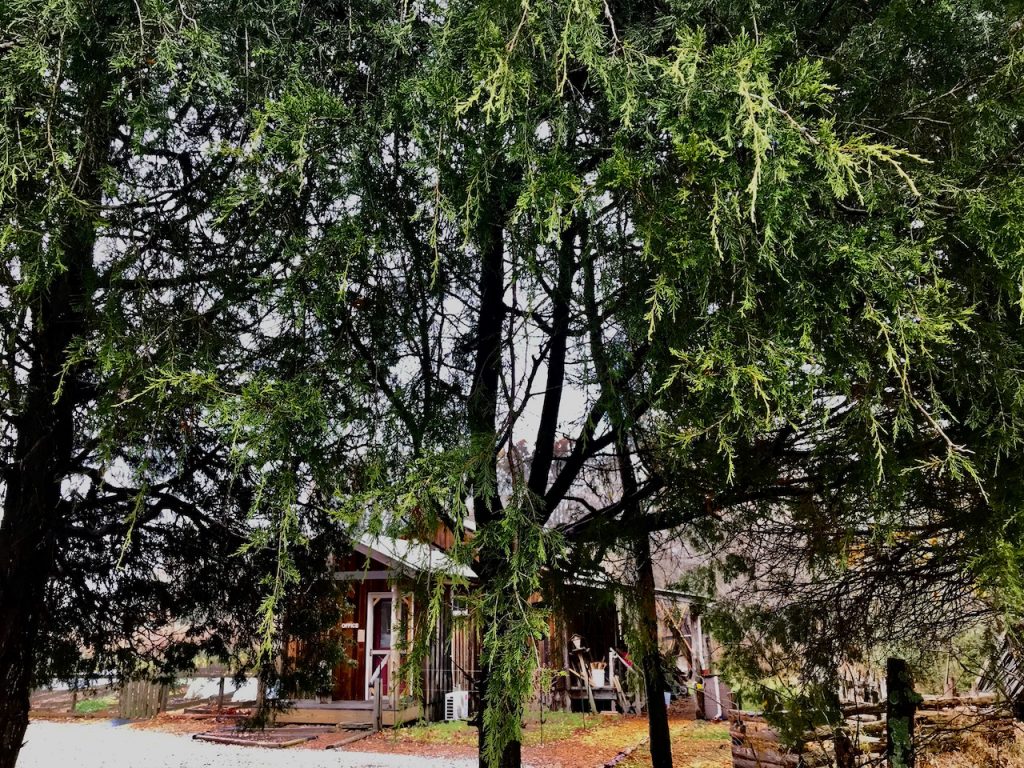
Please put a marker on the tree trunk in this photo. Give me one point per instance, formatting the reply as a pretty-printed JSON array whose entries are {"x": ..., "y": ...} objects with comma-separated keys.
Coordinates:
[
  {"x": 846, "y": 753},
  {"x": 26, "y": 554},
  {"x": 647, "y": 621},
  {"x": 650, "y": 661},
  {"x": 482, "y": 415},
  {"x": 45, "y": 439},
  {"x": 511, "y": 755},
  {"x": 32, "y": 507}
]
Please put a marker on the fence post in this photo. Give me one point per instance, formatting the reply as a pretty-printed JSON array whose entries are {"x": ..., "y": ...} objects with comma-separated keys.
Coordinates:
[{"x": 901, "y": 705}]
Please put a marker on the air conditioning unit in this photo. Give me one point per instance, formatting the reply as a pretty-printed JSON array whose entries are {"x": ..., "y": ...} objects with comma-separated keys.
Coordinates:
[{"x": 456, "y": 705}]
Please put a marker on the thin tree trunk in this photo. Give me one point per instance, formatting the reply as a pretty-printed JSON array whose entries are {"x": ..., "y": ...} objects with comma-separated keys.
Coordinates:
[
  {"x": 650, "y": 661},
  {"x": 647, "y": 609},
  {"x": 547, "y": 427}
]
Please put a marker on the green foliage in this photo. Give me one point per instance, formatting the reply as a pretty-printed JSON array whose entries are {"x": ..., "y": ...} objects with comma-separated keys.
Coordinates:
[
  {"x": 870, "y": 355},
  {"x": 758, "y": 217},
  {"x": 778, "y": 246},
  {"x": 117, "y": 123},
  {"x": 510, "y": 625}
]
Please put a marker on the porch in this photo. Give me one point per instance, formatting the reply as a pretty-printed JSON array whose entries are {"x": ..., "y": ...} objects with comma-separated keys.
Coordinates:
[
  {"x": 588, "y": 644},
  {"x": 350, "y": 714}
]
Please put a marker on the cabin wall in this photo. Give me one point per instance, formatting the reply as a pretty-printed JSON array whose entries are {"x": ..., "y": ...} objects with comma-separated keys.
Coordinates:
[
  {"x": 590, "y": 613},
  {"x": 451, "y": 662},
  {"x": 682, "y": 639},
  {"x": 350, "y": 675},
  {"x": 452, "y": 657},
  {"x": 594, "y": 615}
]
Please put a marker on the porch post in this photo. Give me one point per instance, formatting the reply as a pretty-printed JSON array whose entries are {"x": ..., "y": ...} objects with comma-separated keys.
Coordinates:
[
  {"x": 393, "y": 662},
  {"x": 698, "y": 693}
]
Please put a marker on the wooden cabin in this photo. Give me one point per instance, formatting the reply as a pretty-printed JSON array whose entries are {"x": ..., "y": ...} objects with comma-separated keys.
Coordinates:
[
  {"x": 382, "y": 581},
  {"x": 385, "y": 584}
]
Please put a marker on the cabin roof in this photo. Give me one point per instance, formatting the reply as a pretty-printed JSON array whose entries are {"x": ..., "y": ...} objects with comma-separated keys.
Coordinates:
[{"x": 410, "y": 556}]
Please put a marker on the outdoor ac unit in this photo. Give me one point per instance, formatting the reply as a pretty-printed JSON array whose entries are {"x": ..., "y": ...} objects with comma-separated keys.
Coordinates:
[{"x": 456, "y": 705}]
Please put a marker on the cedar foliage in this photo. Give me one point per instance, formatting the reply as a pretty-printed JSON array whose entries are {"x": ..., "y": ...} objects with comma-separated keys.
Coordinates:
[
  {"x": 128, "y": 525},
  {"x": 768, "y": 255},
  {"x": 686, "y": 224}
]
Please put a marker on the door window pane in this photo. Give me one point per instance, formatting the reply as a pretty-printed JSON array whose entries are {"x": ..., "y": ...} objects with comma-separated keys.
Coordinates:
[{"x": 382, "y": 625}]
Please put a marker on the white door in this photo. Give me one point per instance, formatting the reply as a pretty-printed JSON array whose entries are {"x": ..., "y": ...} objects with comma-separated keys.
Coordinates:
[{"x": 378, "y": 640}]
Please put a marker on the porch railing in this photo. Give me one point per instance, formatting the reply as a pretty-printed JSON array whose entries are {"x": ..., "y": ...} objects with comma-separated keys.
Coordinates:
[{"x": 376, "y": 683}]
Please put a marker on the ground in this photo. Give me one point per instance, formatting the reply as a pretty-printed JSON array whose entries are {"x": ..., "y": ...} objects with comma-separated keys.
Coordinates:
[
  {"x": 96, "y": 744},
  {"x": 100, "y": 700},
  {"x": 563, "y": 741},
  {"x": 977, "y": 752},
  {"x": 574, "y": 741},
  {"x": 694, "y": 745}
]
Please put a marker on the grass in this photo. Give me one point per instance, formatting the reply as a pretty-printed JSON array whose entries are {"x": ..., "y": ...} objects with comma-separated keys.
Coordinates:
[
  {"x": 706, "y": 731},
  {"x": 694, "y": 745},
  {"x": 556, "y": 727},
  {"x": 455, "y": 732},
  {"x": 92, "y": 706},
  {"x": 977, "y": 751}
]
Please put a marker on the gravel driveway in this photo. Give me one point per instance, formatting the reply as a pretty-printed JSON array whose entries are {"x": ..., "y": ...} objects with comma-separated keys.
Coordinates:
[{"x": 100, "y": 745}]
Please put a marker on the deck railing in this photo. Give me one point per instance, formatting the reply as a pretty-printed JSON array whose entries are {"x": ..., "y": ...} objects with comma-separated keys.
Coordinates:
[{"x": 376, "y": 683}]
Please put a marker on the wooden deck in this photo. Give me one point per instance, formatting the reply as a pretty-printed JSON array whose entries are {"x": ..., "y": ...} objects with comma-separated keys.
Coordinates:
[{"x": 348, "y": 713}]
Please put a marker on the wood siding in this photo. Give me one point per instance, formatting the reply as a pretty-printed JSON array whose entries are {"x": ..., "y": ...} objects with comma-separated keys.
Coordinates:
[
  {"x": 350, "y": 674},
  {"x": 451, "y": 663}
]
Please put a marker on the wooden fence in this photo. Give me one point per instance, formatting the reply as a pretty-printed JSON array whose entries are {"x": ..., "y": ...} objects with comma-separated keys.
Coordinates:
[
  {"x": 141, "y": 698},
  {"x": 939, "y": 724},
  {"x": 756, "y": 745}
]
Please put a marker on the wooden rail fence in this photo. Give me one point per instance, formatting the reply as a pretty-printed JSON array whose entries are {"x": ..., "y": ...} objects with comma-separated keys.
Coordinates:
[{"x": 940, "y": 722}]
